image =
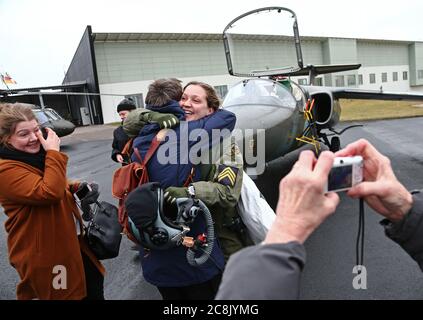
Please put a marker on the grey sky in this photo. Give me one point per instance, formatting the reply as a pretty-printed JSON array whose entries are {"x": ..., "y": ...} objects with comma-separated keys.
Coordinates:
[{"x": 38, "y": 38}]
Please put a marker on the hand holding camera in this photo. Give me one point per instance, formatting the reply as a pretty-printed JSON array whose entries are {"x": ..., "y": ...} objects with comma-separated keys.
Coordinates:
[
  {"x": 303, "y": 204},
  {"x": 381, "y": 189},
  {"x": 48, "y": 139},
  {"x": 87, "y": 194},
  {"x": 346, "y": 172}
]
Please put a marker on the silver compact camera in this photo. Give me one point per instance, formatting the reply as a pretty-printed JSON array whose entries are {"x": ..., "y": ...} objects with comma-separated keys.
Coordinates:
[{"x": 346, "y": 172}]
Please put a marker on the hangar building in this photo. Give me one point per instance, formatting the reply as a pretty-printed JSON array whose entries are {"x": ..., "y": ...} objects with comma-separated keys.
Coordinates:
[{"x": 126, "y": 63}]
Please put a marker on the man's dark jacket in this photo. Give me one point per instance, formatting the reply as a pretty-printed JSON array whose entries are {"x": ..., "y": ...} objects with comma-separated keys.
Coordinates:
[
  {"x": 273, "y": 271},
  {"x": 120, "y": 138}
]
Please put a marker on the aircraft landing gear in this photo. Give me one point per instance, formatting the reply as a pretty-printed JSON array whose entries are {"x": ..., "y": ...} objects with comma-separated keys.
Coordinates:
[{"x": 335, "y": 144}]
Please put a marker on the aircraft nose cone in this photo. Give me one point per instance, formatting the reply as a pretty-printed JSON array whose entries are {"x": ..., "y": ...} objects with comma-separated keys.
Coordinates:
[
  {"x": 67, "y": 129},
  {"x": 62, "y": 128}
]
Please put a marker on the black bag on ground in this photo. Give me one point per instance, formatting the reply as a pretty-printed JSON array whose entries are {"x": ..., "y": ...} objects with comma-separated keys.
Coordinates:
[{"x": 104, "y": 232}]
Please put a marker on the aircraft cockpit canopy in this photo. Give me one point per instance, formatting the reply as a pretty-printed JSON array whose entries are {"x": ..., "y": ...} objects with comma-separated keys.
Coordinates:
[
  {"x": 46, "y": 115},
  {"x": 263, "y": 42},
  {"x": 260, "y": 92}
]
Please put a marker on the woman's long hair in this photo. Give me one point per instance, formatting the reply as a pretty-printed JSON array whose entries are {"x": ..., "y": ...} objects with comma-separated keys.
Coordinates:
[{"x": 10, "y": 115}]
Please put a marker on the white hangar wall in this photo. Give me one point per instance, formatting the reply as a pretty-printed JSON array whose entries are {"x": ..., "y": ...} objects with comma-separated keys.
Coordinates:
[{"x": 128, "y": 63}]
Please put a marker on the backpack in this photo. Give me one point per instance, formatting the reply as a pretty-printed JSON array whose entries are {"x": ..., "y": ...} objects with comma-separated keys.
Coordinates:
[
  {"x": 126, "y": 151},
  {"x": 127, "y": 178}
]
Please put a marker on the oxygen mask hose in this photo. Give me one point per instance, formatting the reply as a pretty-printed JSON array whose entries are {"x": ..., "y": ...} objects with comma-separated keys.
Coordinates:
[
  {"x": 197, "y": 261},
  {"x": 198, "y": 206}
]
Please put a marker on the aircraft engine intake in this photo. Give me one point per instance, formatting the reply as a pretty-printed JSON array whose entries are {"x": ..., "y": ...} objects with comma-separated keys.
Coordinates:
[{"x": 326, "y": 109}]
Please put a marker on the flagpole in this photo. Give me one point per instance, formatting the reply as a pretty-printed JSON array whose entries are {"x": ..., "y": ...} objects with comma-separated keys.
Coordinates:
[{"x": 2, "y": 79}]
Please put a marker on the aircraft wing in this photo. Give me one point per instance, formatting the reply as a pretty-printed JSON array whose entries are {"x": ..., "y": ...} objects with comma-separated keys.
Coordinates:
[
  {"x": 296, "y": 71},
  {"x": 349, "y": 93},
  {"x": 323, "y": 69}
]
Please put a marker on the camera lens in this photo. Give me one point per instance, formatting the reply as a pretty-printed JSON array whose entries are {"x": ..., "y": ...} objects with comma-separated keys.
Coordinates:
[{"x": 342, "y": 161}]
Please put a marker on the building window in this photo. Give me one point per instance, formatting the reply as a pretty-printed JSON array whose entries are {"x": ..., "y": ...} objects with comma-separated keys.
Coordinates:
[
  {"x": 384, "y": 77},
  {"x": 372, "y": 78},
  {"x": 394, "y": 76},
  {"x": 419, "y": 74},
  {"x": 137, "y": 98},
  {"x": 221, "y": 91},
  {"x": 404, "y": 75},
  {"x": 360, "y": 79},
  {"x": 302, "y": 82},
  {"x": 351, "y": 80},
  {"x": 339, "y": 81},
  {"x": 318, "y": 82}
]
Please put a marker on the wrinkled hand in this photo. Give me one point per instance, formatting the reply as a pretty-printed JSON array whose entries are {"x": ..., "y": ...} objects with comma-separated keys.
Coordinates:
[
  {"x": 381, "y": 189},
  {"x": 164, "y": 120},
  {"x": 90, "y": 198},
  {"x": 303, "y": 204},
  {"x": 173, "y": 193}
]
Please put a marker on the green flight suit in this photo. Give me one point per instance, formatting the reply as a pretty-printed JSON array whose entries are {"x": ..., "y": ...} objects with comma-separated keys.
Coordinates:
[
  {"x": 138, "y": 118},
  {"x": 221, "y": 198},
  {"x": 135, "y": 121}
]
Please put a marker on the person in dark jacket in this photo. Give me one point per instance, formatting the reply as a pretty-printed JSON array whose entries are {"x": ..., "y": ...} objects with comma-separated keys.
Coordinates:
[
  {"x": 120, "y": 138},
  {"x": 403, "y": 210},
  {"x": 280, "y": 259},
  {"x": 169, "y": 269}
]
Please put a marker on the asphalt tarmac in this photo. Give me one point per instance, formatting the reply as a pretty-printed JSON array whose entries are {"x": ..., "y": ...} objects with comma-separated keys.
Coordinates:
[{"x": 391, "y": 273}]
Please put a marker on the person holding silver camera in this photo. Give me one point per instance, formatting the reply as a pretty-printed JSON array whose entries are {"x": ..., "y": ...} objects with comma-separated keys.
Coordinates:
[
  {"x": 402, "y": 209},
  {"x": 280, "y": 259},
  {"x": 44, "y": 227}
]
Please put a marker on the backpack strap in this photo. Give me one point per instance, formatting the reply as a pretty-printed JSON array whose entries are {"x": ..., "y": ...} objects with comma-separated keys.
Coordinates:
[
  {"x": 123, "y": 217},
  {"x": 190, "y": 178},
  {"x": 151, "y": 150},
  {"x": 138, "y": 155},
  {"x": 144, "y": 178},
  {"x": 127, "y": 148}
]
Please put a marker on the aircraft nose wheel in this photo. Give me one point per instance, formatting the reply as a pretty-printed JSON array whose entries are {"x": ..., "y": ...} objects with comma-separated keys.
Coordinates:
[{"x": 335, "y": 144}]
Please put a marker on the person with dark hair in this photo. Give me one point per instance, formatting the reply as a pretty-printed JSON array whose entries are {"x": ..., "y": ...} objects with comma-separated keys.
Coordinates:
[
  {"x": 162, "y": 100},
  {"x": 120, "y": 138},
  {"x": 162, "y": 92},
  {"x": 44, "y": 227},
  {"x": 169, "y": 269},
  {"x": 199, "y": 101}
]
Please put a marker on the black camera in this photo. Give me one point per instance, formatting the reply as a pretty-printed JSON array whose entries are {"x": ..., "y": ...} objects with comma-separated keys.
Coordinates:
[
  {"x": 44, "y": 132},
  {"x": 82, "y": 193}
]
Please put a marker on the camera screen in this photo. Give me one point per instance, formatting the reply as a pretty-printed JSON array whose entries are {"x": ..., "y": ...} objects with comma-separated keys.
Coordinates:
[{"x": 340, "y": 178}]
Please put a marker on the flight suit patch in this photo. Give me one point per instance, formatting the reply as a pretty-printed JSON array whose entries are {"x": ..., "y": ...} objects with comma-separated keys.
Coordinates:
[{"x": 227, "y": 175}]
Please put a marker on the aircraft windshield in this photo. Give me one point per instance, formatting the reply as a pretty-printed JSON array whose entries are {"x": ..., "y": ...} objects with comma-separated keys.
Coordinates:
[
  {"x": 52, "y": 114},
  {"x": 41, "y": 116},
  {"x": 259, "y": 92},
  {"x": 261, "y": 42}
]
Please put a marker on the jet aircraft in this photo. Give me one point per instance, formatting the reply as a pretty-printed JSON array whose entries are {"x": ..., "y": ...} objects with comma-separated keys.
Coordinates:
[
  {"x": 266, "y": 98},
  {"x": 291, "y": 117}
]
